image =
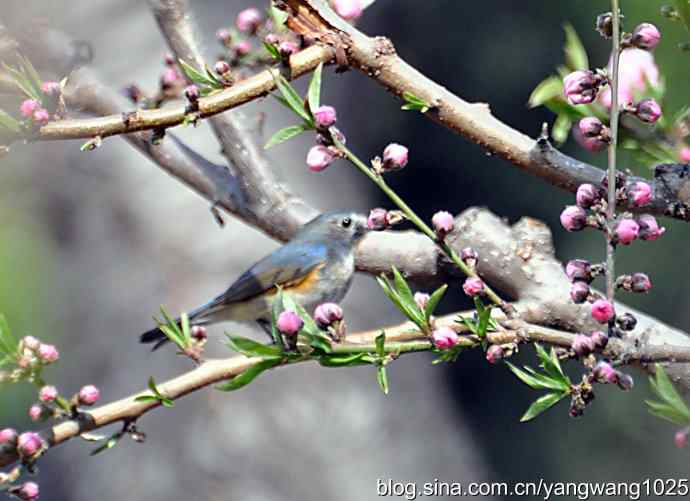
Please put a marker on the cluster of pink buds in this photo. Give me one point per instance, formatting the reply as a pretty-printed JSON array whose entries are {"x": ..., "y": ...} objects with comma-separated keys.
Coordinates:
[
  {"x": 637, "y": 71},
  {"x": 33, "y": 354},
  {"x": 381, "y": 219},
  {"x": 29, "y": 446}
]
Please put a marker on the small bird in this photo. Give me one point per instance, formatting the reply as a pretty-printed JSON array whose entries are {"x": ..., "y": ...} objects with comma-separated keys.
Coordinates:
[{"x": 315, "y": 267}]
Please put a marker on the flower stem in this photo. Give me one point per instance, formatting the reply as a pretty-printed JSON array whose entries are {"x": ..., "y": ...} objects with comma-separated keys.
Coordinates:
[
  {"x": 611, "y": 206},
  {"x": 420, "y": 224}
]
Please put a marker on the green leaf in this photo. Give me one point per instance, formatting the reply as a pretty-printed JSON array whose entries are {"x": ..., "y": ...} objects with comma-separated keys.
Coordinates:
[
  {"x": 284, "y": 134},
  {"x": 575, "y": 54},
  {"x": 248, "y": 375},
  {"x": 204, "y": 79},
  {"x": 22, "y": 82},
  {"x": 9, "y": 122},
  {"x": 414, "y": 103},
  {"x": 147, "y": 398},
  {"x": 250, "y": 348},
  {"x": 184, "y": 327},
  {"x": 549, "y": 362},
  {"x": 276, "y": 309},
  {"x": 292, "y": 98},
  {"x": 403, "y": 289},
  {"x": 382, "y": 379},
  {"x": 547, "y": 382},
  {"x": 272, "y": 50},
  {"x": 672, "y": 407},
  {"x": 380, "y": 342},
  {"x": 527, "y": 378},
  {"x": 541, "y": 404},
  {"x": 314, "y": 92},
  {"x": 32, "y": 75},
  {"x": 343, "y": 360},
  {"x": 8, "y": 343},
  {"x": 548, "y": 89},
  {"x": 434, "y": 299},
  {"x": 561, "y": 128},
  {"x": 109, "y": 444}
]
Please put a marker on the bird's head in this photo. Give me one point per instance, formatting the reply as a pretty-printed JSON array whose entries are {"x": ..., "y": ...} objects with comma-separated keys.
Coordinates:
[{"x": 342, "y": 226}]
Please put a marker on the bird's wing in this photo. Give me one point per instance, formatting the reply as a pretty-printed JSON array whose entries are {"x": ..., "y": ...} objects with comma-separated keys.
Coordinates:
[{"x": 289, "y": 266}]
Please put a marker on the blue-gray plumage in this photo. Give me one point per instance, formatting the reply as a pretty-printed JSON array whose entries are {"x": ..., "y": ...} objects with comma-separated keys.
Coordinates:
[{"x": 316, "y": 266}]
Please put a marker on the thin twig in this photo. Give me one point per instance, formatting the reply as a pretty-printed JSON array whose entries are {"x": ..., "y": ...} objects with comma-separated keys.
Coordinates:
[{"x": 611, "y": 174}]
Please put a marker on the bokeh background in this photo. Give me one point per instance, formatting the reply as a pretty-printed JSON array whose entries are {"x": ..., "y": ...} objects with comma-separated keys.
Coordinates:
[{"x": 92, "y": 244}]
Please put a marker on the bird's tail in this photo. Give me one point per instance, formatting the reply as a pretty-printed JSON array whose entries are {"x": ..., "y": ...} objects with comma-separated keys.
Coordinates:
[{"x": 199, "y": 316}]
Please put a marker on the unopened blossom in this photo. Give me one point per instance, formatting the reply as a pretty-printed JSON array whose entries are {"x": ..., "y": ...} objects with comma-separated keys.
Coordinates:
[
  {"x": 469, "y": 256},
  {"x": 41, "y": 116},
  {"x": 444, "y": 338},
  {"x": 587, "y": 195},
  {"x": 640, "y": 193},
  {"x": 50, "y": 88},
  {"x": 28, "y": 107},
  {"x": 637, "y": 71},
  {"x": 28, "y": 444},
  {"x": 325, "y": 116},
  {"x": 646, "y": 36},
  {"x": 36, "y": 412},
  {"x": 170, "y": 77},
  {"x": 421, "y": 299},
  {"x": 47, "y": 393},
  {"x": 88, "y": 395},
  {"x": 581, "y": 87},
  {"x": 582, "y": 345},
  {"x": 626, "y": 321},
  {"x": 681, "y": 438},
  {"x": 348, "y": 9},
  {"x": 579, "y": 270},
  {"x": 223, "y": 35},
  {"x": 473, "y": 286},
  {"x": 579, "y": 292},
  {"x": 249, "y": 20},
  {"x": 395, "y": 157},
  {"x": 602, "y": 311},
  {"x": 287, "y": 48},
  {"x": 590, "y": 126},
  {"x": 221, "y": 67},
  {"x": 326, "y": 314},
  {"x": 625, "y": 381},
  {"x": 377, "y": 219},
  {"x": 192, "y": 93},
  {"x": 641, "y": 283},
  {"x": 627, "y": 231},
  {"x": 8, "y": 436},
  {"x": 494, "y": 354},
  {"x": 319, "y": 157},
  {"x": 648, "y": 111},
  {"x": 48, "y": 353},
  {"x": 272, "y": 39},
  {"x": 684, "y": 154},
  {"x": 289, "y": 323},
  {"x": 649, "y": 227},
  {"x": 604, "y": 25},
  {"x": 28, "y": 491},
  {"x": 199, "y": 333},
  {"x": 31, "y": 343},
  {"x": 443, "y": 223},
  {"x": 242, "y": 48},
  {"x": 605, "y": 373},
  {"x": 592, "y": 144},
  {"x": 600, "y": 339},
  {"x": 574, "y": 218}
]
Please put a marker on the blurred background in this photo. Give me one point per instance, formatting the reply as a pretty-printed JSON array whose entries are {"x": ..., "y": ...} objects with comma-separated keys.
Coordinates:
[{"x": 93, "y": 243}]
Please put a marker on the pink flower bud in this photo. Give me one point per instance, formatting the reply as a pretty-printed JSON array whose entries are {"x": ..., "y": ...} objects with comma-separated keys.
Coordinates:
[
  {"x": 602, "y": 311},
  {"x": 593, "y": 144},
  {"x": 582, "y": 345},
  {"x": 648, "y": 111},
  {"x": 272, "y": 39},
  {"x": 649, "y": 228},
  {"x": 318, "y": 158},
  {"x": 444, "y": 338},
  {"x": 327, "y": 313},
  {"x": 221, "y": 67},
  {"x": 191, "y": 92},
  {"x": 641, "y": 283},
  {"x": 36, "y": 412},
  {"x": 681, "y": 438},
  {"x": 600, "y": 339},
  {"x": 88, "y": 395},
  {"x": 169, "y": 77},
  {"x": 626, "y": 321},
  {"x": 443, "y": 223},
  {"x": 289, "y": 323},
  {"x": 249, "y": 20},
  {"x": 422, "y": 299},
  {"x": 587, "y": 195},
  {"x": 579, "y": 292},
  {"x": 199, "y": 333},
  {"x": 605, "y": 373},
  {"x": 348, "y": 9},
  {"x": 684, "y": 154},
  {"x": 223, "y": 35},
  {"x": 48, "y": 393},
  {"x": 579, "y": 270},
  {"x": 28, "y": 491},
  {"x": 28, "y": 444},
  {"x": 169, "y": 60},
  {"x": 28, "y": 107},
  {"x": 31, "y": 343},
  {"x": 573, "y": 218},
  {"x": 627, "y": 231},
  {"x": 494, "y": 354},
  {"x": 378, "y": 219},
  {"x": 590, "y": 126},
  {"x": 242, "y": 48},
  {"x": 646, "y": 36},
  {"x": 581, "y": 87},
  {"x": 287, "y": 48},
  {"x": 473, "y": 286},
  {"x": 469, "y": 256},
  {"x": 324, "y": 116},
  {"x": 640, "y": 193},
  {"x": 8, "y": 436},
  {"x": 41, "y": 116},
  {"x": 50, "y": 88},
  {"x": 394, "y": 157},
  {"x": 48, "y": 353},
  {"x": 625, "y": 381}
]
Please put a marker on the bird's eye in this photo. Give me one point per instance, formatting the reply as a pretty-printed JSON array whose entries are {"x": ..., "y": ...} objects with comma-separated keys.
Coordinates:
[{"x": 346, "y": 222}]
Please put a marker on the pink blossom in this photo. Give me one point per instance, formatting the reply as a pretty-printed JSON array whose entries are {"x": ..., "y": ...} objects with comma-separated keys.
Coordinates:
[
  {"x": 646, "y": 36},
  {"x": 248, "y": 20},
  {"x": 494, "y": 354},
  {"x": 41, "y": 116},
  {"x": 581, "y": 87},
  {"x": 348, "y": 9},
  {"x": 8, "y": 435},
  {"x": 602, "y": 311},
  {"x": 444, "y": 338},
  {"x": 681, "y": 438},
  {"x": 242, "y": 47},
  {"x": 473, "y": 286},
  {"x": 395, "y": 156},
  {"x": 287, "y": 48},
  {"x": 443, "y": 223},
  {"x": 327, "y": 313},
  {"x": 627, "y": 231},
  {"x": 378, "y": 219},
  {"x": 289, "y": 323},
  {"x": 573, "y": 218},
  {"x": 649, "y": 227},
  {"x": 641, "y": 193},
  {"x": 47, "y": 393},
  {"x": 29, "y": 443},
  {"x": 684, "y": 154},
  {"x": 48, "y": 353},
  {"x": 421, "y": 299},
  {"x": 36, "y": 412},
  {"x": 637, "y": 71},
  {"x": 319, "y": 157},
  {"x": 325, "y": 116},
  {"x": 28, "y": 491},
  {"x": 28, "y": 107},
  {"x": 88, "y": 395}
]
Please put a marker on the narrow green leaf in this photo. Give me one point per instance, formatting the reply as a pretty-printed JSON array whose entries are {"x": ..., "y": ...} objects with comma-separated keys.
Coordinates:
[
  {"x": 382, "y": 378},
  {"x": 197, "y": 76},
  {"x": 561, "y": 128},
  {"x": 528, "y": 379},
  {"x": 342, "y": 360},
  {"x": 152, "y": 386},
  {"x": 32, "y": 75},
  {"x": 541, "y": 404},
  {"x": 292, "y": 98},
  {"x": 667, "y": 412},
  {"x": 314, "y": 92},
  {"x": 8, "y": 343},
  {"x": 247, "y": 376},
  {"x": 109, "y": 444},
  {"x": 548, "y": 382},
  {"x": 250, "y": 348},
  {"x": 676, "y": 409},
  {"x": 547, "y": 89},
  {"x": 549, "y": 362},
  {"x": 434, "y": 299},
  {"x": 284, "y": 134},
  {"x": 272, "y": 50},
  {"x": 22, "y": 82},
  {"x": 184, "y": 326},
  {"x": 8, "y": 122},
  {"x": 146, "y": 398},
  {"x": 380, "y": 342},
  {"x": 575, "y": 54}
]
